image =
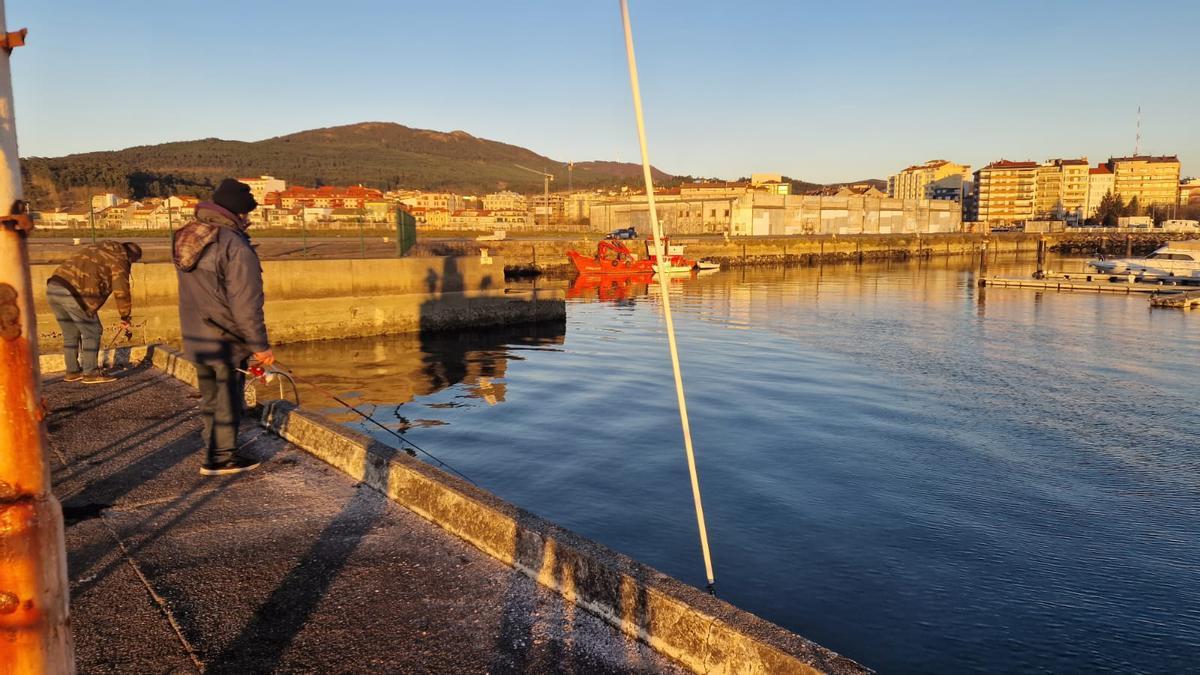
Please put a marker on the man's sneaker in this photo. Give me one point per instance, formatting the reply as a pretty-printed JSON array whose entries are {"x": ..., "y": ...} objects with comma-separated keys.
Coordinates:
[
  {"x": 235, "y": 464},
  {"x": 99, "y": 378},
  {"x": 72, "y": 377}
]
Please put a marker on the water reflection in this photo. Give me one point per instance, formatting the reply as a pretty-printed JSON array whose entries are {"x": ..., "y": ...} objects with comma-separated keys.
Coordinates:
[
  {"x": 391, "y": 371},
  {"x": 619, "y": 288}
]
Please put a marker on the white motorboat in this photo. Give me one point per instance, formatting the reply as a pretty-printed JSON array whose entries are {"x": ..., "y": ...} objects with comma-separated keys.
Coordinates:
[
  {"x": 1176, "y": 259},
  {"x": 496, "y": 235}
]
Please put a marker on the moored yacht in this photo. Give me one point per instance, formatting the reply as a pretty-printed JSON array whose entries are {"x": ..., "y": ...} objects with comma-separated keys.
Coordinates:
[{"x": 1175, "y": 259}]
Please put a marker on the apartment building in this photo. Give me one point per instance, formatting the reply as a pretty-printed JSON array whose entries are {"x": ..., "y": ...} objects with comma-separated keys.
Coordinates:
[
  {"x": 771, "y": 183},
  {"x": 577, "y": 206},
  {"x": 1153, "y": 180},
  {"x": 913, "y": 182},
  {"x": 1006, "y": 191},
  {"x": 1100, "y": 183},
  {"x": 505, "y": 200},
  {"x": 326, "y": 197},
  {"x": 1189, "y": 191},
  {"x": 447, "y": 201},
  {"x": 1062, "y": 190},
  {"x": 261, "y": 186},
  {"x": 552, "y": 206},
  {"x": 106, "y": 200}
]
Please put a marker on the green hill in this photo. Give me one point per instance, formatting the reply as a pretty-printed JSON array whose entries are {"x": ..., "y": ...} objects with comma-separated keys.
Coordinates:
[{"x": 377, "y": 154}]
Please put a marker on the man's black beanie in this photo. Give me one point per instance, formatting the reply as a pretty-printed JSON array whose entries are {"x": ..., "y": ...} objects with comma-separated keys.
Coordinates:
[{"x": 235, "y": 196}]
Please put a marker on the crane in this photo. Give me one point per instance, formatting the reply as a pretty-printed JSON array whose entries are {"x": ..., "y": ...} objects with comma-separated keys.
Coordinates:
[{"x": 546, "y": 178}]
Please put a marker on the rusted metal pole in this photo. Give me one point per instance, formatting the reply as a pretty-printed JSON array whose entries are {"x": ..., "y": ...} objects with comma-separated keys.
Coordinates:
[{"x": 35, "y": 634}]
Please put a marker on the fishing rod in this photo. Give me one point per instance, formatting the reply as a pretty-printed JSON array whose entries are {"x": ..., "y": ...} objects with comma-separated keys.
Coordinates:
[
  {"x": 348, "y": 406},
  {"x": 117, "y": 334}
]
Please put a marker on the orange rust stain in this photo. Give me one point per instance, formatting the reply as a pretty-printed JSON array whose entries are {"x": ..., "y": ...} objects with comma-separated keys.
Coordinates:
[
  {"x": 22, "y": 464},
  {"x": 23, "y": 631}
]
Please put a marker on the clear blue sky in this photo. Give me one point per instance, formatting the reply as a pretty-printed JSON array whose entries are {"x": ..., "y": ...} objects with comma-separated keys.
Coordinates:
[{"x": 825, "y": 91}]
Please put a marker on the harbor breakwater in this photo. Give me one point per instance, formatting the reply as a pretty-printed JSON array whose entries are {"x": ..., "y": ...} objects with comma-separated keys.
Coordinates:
[
  {"x": 329, "y": 299},
  {"x": 550, "y": 257}
]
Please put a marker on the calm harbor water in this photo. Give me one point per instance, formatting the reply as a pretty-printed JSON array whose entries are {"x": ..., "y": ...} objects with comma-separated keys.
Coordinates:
[{"x": 915, "y": 472}]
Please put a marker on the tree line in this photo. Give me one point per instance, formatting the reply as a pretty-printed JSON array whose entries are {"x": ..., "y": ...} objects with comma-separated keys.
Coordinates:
[{"x": 1112, "y": 207}]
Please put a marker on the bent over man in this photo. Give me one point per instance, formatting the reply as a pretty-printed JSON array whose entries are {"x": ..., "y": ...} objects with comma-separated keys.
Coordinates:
[
  {"x": 76, "y": 292},
  {"x": 221, "y": 315}
]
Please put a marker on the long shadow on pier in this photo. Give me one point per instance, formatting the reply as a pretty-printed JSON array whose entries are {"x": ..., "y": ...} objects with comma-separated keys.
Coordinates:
[{"x": 263, "y": 641}]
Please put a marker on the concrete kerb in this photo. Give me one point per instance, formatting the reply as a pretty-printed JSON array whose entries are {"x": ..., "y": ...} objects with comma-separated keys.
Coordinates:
[{"x": 699, "y": 631}]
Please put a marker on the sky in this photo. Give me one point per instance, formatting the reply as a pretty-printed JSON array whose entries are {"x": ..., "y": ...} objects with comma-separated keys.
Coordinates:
[{"x": 821, "y": 91}]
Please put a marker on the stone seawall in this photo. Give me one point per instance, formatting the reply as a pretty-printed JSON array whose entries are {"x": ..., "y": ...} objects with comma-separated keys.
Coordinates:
[
  {"x": 328, "y": 299},
  {"x": 526, "y": 257}
]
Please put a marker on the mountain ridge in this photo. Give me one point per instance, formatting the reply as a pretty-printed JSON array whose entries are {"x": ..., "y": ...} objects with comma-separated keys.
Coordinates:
[{"x": 384, "y": 155}]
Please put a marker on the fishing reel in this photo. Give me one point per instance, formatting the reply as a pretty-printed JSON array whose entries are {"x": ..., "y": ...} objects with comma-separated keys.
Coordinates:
[
  {"x": 261, "y": 374},
  {"x": 256, "y": 374}
]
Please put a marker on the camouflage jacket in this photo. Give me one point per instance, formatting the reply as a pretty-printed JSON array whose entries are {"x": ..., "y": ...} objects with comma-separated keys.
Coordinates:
[{"x": 95, "y": 273}]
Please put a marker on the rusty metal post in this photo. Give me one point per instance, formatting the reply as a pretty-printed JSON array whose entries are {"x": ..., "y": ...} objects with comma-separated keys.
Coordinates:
[{"x": 35, "y": 635}]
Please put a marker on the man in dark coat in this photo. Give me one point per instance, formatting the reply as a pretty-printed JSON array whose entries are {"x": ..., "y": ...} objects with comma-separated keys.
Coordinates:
[
  {"x": 221, "y": 316},
  {"x": 76, "y": 292}
]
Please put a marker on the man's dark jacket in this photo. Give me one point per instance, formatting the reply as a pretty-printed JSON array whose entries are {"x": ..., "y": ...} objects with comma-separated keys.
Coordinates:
[
  {"x": 220, "y": 288},
  {"x": 95, "y": 273}
]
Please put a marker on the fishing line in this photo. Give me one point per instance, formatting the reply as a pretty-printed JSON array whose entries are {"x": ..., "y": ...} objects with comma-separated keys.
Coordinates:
[
  {"x": 666, "y": 297},
  {"x": 286, "y": 371},
  {"x": 377, "y": 423}
]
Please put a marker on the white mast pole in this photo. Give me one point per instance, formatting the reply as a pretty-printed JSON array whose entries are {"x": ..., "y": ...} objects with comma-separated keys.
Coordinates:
[{"x": 663, "y": 266}]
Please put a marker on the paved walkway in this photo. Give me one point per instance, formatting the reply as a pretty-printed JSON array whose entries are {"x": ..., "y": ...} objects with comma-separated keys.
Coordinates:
[{"x": 289, "y": 568}]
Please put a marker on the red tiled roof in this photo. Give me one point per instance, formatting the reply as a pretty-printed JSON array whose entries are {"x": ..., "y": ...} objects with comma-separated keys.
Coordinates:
[
  {"x": 331, "y": 191},
  {"x": 1100, "y": 169}
]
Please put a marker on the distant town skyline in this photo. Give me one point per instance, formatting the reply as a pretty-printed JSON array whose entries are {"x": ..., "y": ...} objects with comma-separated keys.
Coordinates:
[{"x": 813, "y": 92}]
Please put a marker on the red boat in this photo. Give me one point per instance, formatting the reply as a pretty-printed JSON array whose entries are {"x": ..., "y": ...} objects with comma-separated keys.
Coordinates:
[{"x": 614, "y": 257}]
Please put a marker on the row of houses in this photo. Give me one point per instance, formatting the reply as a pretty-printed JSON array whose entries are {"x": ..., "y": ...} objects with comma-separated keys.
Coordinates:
[{"x": 762, "y": 205}]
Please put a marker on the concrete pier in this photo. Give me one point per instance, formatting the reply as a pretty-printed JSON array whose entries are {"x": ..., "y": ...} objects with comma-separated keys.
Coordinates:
[
  {"x": 342, "y": 554},
  {"x": 290, "y": 568}
]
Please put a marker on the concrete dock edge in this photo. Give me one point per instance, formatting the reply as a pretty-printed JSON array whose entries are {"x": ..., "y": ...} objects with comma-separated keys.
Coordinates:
[{"x": 695, "y": 629}]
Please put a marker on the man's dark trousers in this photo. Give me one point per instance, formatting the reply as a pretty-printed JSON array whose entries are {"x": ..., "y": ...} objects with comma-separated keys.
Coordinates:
[{"x": 221, "y": 401}]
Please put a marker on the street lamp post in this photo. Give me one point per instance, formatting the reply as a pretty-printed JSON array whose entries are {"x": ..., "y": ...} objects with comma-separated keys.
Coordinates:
[{"x": 92, "y": 216}]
